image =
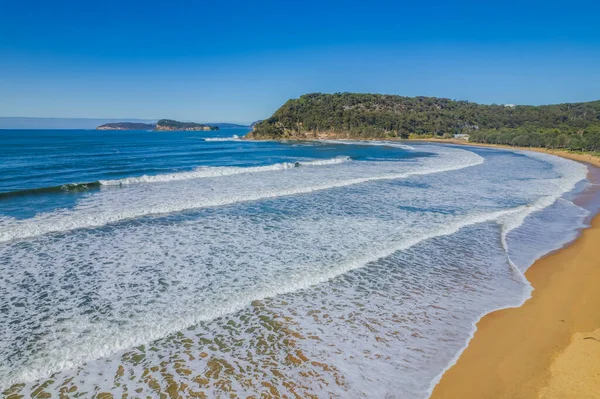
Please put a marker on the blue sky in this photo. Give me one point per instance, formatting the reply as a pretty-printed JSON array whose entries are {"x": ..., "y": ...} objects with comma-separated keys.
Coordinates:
[{"x": 239, "y": 61}]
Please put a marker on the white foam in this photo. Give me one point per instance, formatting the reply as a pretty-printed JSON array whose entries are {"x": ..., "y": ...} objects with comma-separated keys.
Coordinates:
[
  {"x": 212, "y": 171},
  {"x": 82, "y": 340},
  {"x": 6, "y": 220},
  {"x": 378, "y": 143},
  {"x": 570, "y": 173},
  {"x": 108, "y": 207},
  {"x": 91, "y": 293},
  {"x": 235, "y": 137}
]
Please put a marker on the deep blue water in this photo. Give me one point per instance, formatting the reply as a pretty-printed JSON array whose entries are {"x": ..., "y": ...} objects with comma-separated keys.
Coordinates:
[{"x": 41, "y": 170}]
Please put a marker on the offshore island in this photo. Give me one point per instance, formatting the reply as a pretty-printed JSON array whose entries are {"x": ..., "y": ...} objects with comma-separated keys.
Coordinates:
[{"x": 161, "y": 125}]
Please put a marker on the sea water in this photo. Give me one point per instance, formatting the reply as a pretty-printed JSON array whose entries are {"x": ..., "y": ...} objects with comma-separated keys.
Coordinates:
[{"x": 196, "y": 264}]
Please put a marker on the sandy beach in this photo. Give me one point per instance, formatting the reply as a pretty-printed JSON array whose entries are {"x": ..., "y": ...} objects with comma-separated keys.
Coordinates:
[{"x": 550, "y": 346}]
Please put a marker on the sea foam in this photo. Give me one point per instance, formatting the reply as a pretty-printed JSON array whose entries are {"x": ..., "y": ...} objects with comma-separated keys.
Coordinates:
[
  {"x": 375, "y": 271},
  {"x": 113, "y": 206},
  {"x": 209, "y": 171},
  {"x": 235, "y": 137}
]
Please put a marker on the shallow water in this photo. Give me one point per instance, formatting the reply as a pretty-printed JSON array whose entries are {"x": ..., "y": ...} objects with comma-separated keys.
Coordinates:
[{"x": 187, "y": 266}]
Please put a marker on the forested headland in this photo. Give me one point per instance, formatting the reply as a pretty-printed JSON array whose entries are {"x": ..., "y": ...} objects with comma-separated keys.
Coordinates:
[{"x": 574, "y": 126}]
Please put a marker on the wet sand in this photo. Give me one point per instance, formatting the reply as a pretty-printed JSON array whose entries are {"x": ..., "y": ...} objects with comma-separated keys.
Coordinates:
[{"x": 548, "y": 348}]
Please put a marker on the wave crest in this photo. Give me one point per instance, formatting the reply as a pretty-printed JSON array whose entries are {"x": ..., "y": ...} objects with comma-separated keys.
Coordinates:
[
  {"x": 216, "y": 171},
  {"x": 235, "y": 137}
]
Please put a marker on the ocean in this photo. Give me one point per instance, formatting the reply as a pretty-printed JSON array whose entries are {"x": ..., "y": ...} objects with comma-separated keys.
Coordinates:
[{"x": 195, "y": 264}]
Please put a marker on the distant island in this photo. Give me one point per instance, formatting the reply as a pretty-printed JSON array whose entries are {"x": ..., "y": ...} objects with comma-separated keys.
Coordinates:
[
  {"x": 126, "y": 126},
  {"x": 169, "y": 124},
  {"x": 161, "y": 125},
  {"x": 573, "y": 126},
  {"x": 224, "y": 125}
]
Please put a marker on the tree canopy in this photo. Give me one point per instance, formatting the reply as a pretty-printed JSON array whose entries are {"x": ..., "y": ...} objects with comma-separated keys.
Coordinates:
[
  {"x": 176, "y": 125},
  {"x": 574, "y": 126}
]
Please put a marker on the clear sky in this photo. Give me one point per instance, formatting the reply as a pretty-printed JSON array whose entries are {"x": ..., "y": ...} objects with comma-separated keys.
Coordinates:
[{"x": 238, "y": 61}]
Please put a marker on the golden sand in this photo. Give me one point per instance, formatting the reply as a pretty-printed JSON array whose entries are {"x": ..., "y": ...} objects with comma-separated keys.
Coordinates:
[
  {"x": 575, "y": 373},
  {"x": 548, "y": 348}
]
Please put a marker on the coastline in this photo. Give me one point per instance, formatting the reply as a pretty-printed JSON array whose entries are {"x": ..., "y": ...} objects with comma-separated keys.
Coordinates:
[
  {"x": 471, "y": 324},
  {"x": 585, "y": 158},
  {"x": 549, "y": 347}
]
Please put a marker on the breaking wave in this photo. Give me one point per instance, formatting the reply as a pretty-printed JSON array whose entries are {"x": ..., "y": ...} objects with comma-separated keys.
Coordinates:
[
  {"x": 235, "y": 137},
  {"x": 111, "y": 207},
  {"x": 215, "y": 171}
]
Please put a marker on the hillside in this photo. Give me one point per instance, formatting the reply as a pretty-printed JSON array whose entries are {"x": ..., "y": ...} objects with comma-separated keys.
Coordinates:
[
  {"x": 350, "y": 115},
  {"x": 169, "y": 124}
]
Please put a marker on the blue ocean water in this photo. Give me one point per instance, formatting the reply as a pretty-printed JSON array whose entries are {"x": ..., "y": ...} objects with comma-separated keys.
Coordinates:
[
  {"x": 45, "y": 169},
  {"x": 147, "y": 263}
]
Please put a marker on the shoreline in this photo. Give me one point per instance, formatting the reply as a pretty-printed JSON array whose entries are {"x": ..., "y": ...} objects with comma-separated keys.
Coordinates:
[
  {"x": 543, "y": 348},
  {"x": 549, "y": 346},
  {"x": 585, "y": 158}
]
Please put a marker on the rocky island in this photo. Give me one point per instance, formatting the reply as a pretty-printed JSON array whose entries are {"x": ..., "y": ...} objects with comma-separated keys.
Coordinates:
[
  {"x": 163, "y": 124},
  {"x": 168, "y": 124},
  {"x": 126, "y": 126}
]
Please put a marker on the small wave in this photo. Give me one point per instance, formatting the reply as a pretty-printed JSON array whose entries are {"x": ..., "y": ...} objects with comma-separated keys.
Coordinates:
[
  {"x": 235, "y": 137},
  {"x": 571, "y": 173},
  {"x": 209, "y": 171},
  {"x": 371, "y": 143},
  {"x": 303, "y": 279},
  {"x": 330, "y": 161},
  {"x": 216, "y": 171},
  {"x": 71, "y": 220},
  {"x": 64, "y": 188}
]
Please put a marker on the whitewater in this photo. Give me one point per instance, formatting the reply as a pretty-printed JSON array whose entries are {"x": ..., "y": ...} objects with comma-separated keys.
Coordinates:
[{"x": 335, "y": 269}]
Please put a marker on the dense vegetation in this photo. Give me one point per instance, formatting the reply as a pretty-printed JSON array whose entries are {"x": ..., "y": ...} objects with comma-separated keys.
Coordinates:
[
  {"x": 565, "y": 137},
  {"x": 126, "y": 126},
  {"x": 349, "y": 115},
  {"x": 169, "y": 124}
]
